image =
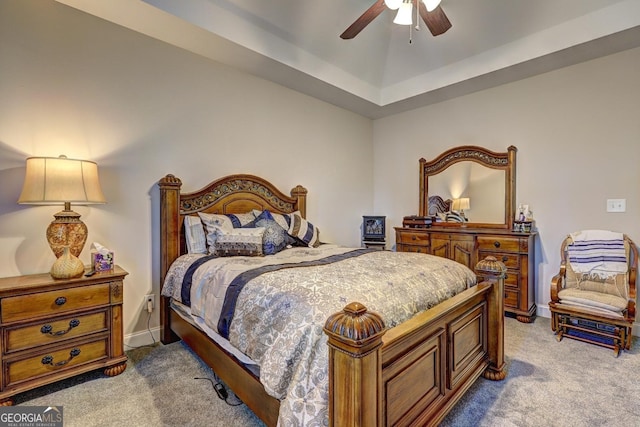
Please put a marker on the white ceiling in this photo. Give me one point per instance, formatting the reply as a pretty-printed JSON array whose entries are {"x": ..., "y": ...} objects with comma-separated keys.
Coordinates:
[{"x": 296, "y": 43}]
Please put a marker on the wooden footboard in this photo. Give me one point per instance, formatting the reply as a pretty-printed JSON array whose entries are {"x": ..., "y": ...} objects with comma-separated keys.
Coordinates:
[{"x": 414, "y": 373}]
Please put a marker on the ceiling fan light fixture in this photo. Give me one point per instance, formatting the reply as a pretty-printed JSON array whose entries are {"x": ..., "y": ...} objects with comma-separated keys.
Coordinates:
[
  {"x": 393, "y": 4},
  {"x": 404, "y": 14},
  {"x": 431, "y": 4}
]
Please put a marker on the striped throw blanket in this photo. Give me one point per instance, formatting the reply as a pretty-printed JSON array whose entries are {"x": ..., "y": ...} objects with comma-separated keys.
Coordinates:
[{"x": 597, "y": 252}]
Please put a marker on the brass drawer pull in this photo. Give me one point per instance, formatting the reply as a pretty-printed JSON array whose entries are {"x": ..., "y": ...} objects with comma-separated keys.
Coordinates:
[
  {"x": 48, "y": 329},
  {"x": 496, "y": 244},
  {"x": 48, "y": 360},
  {"x": 61, "y": 300}
]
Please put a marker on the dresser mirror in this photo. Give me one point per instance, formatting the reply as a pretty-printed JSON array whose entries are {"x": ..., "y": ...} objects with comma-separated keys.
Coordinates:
[{"x": 472, "y": 180}]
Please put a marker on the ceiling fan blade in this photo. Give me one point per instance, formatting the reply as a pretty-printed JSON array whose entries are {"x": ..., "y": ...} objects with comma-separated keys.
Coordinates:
[
  {"x": 364, "y": 20},
  {"x": 436, "y": 20}
]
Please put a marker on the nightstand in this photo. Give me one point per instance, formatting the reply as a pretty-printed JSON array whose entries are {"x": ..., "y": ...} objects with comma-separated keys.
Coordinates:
[{"x": 55, "y": 329}]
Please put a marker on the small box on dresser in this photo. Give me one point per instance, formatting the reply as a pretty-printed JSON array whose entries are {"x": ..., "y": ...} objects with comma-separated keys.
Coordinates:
[{"x": 55, "y": 329}]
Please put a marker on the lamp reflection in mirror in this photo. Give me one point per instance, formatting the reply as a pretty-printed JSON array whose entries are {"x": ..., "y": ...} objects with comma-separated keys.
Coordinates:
[
  {"x": 60, "y": 180},
  {"x": 459, "y": 205}
]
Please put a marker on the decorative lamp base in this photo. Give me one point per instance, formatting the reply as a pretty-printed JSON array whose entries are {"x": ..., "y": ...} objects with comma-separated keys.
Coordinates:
[
  {"x": 67, "y": 230},
  {"x": 67, "y": 266}
]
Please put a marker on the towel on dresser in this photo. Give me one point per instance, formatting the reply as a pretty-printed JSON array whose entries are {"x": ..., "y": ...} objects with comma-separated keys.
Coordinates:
[{"x": 597, "y": 252}]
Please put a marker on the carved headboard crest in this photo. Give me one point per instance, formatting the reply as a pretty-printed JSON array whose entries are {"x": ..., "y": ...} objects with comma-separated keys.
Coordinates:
[{"x": 201, "y": 201}]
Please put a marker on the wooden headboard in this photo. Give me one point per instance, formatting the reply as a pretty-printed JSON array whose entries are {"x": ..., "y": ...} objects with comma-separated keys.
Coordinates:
[{"x": 232, "y": 194}]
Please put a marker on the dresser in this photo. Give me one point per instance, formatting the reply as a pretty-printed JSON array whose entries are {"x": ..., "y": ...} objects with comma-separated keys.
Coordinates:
[
  {"x": 470, "y": 245},
  {"x": 55, "y": 329}
]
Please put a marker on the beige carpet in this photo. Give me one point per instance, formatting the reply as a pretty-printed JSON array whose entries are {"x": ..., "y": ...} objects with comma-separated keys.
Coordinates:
[{"x": 548, "y": 384}]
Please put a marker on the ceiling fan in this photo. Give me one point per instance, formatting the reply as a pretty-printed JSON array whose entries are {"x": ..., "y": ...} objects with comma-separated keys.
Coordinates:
[{"x": 434, "y": 18}]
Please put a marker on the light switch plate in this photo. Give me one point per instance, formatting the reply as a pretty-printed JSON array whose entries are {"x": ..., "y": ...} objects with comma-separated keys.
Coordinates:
[{"x": 616, "y": 205}]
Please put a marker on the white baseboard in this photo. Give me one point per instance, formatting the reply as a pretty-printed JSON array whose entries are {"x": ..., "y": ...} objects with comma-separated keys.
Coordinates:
[
  {"x": 139, "y": 339},
  {"x": 543, "y": 311}
]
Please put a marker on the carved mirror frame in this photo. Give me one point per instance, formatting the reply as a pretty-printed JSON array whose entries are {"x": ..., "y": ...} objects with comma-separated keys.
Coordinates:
[{"x": 501, "y": 161}]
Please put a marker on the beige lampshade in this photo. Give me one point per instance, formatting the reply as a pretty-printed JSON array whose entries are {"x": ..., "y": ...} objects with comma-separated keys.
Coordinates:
[
  {"x": 461, "y": 204},
  {"x": 59, "y": 180}
]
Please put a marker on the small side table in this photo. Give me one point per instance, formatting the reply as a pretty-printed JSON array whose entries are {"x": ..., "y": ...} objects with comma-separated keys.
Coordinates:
[{"x": 54, "y": 329}]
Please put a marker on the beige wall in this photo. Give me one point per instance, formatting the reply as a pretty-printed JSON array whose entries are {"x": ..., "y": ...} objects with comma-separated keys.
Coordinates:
[
  {"x": 73, "y": 84},
  {"x": 578, "y": 138},
  {"x": 76, "y": 85}
]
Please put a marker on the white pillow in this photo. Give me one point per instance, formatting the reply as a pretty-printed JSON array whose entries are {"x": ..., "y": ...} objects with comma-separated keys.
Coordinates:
[
  {"x": 214, "y": 223},
  {"x": 194, "y": 235}
]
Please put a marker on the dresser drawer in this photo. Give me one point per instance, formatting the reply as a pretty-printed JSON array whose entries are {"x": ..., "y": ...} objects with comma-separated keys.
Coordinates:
[
  {"x": 50, "y": 362},
  {"x": 413, "y": 237},
  {"x": 511, "y": 298},
  {"x": 60, "y": 329},
  {"x": 413, "y": 248},
  {"x": 511, "y": 279},
  {"x": 508, "y": 259},
  {"x": 31, "y": 306},
  {"x": 498, "y": 243}
]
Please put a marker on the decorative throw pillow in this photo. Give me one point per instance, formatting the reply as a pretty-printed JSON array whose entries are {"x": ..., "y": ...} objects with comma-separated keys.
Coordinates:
[
  {"x": 284, "y": 220},
  {"x": 275, "y": 237},
  {"x": 194, "y": 235},
  {"x": 239, "y": 242},
  {"x": 304, "y": 231},
  {"x": 214, "y": 223}
]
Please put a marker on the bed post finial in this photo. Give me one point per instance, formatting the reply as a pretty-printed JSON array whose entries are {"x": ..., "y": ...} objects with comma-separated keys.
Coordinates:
[
  {"x": 355, "y": 376},
  {"x": 495, "y": 271},
  {"x": 300, "y": 194}
]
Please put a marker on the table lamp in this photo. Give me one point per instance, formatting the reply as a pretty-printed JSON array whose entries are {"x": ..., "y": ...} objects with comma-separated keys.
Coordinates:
[
  {"x": 459, "y": 205},
  {"x": 59, "y": 180}
]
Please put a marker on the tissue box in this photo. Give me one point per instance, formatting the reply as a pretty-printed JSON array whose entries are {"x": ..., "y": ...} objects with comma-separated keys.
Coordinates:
[{"x": 102, "y": 262}]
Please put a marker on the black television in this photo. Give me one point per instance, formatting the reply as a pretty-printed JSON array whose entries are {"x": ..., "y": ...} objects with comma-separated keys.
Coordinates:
[{"x": 373, "y": 228}]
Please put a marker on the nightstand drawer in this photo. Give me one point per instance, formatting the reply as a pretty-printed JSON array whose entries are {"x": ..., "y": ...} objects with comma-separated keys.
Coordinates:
[
  {"x": 50, "y": 362},
  {"x": 499, "y": 243},
  {"x": 60, "y": 329},
  {"x": 50, "y": 303}
]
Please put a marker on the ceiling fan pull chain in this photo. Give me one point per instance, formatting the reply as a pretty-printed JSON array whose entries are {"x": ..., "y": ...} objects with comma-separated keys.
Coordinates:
[{"x": 410, "y": 34}]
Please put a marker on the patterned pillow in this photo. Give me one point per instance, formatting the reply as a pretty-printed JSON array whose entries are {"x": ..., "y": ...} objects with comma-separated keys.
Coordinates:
[
  {"x": 194, "y": 235},
  {"x": 284, "y": 220},
  {"x": 304, "y": 231},
  {"x": 239, "y": 242},
  {"x": 215, "y": 223},
  {"x": 275, "y": 237}
]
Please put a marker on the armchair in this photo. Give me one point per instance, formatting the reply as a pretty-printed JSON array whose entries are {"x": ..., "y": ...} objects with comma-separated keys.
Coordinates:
[{"x": 593, "y": 297}]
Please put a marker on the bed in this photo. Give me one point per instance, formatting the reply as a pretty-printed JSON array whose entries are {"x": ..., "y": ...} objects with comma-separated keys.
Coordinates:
[{"x": 410, "y": 373}]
